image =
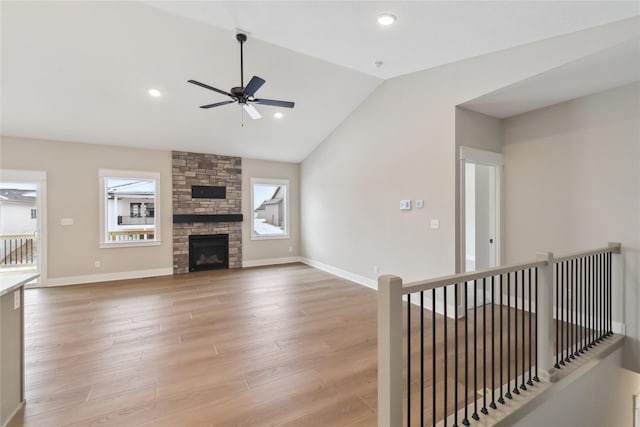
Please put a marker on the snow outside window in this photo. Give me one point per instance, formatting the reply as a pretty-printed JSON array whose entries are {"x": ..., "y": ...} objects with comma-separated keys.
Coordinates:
[{"x": 270, "y": 208}]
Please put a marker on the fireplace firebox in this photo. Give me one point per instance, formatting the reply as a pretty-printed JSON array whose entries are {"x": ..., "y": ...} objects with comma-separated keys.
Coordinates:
[{"x": 208, "y": 252}]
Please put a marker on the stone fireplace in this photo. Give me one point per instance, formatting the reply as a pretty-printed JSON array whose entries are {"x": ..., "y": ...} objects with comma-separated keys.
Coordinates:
[{"x": 207, "y": 195}]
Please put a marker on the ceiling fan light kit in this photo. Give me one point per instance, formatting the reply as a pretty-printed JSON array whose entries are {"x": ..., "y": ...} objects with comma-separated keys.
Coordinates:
[{"x": 244, "y": 95}]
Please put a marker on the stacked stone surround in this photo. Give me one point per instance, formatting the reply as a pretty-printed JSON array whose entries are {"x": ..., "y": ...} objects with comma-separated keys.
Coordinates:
[{"x": 206, "y": 169}]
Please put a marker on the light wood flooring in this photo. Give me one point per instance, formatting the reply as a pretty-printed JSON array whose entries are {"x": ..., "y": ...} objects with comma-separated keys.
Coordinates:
[
  {"x": 272, "y": 346},
  {"x": 287, "y": 346}
]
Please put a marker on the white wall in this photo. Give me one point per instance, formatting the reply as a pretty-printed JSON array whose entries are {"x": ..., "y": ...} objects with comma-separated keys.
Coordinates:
[
  {"x": 258, "y": 252},
  {"x": 400, "y": 144},
  {"x": 72, "y": 192},
  {"x": 601, "y": 397},
  {"x": 572, "y": 182}
]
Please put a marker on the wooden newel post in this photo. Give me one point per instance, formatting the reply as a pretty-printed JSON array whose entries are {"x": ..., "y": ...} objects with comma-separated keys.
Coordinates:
[
  {"x": 389, "y": 351},
  {"x": 546, "y": 370}
]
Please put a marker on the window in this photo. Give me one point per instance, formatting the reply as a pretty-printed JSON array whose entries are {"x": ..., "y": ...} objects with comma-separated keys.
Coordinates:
[
  {"x": 128, "y": 202},
  {"x": 270, "y": 208}
]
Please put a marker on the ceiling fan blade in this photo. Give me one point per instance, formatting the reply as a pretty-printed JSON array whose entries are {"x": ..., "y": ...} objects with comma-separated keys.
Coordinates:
[
  {"x": 275, "y": 103},
  {"x": 251, "y": 110},
  {"x": 254, "y": 84},
  {"x": 210, "y": 88},
  {"x": 217, "y": 104}
]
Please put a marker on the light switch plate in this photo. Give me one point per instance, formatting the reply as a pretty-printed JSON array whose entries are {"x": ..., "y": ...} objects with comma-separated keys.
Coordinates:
[
  {"x": 66, "y": 221},
  {"x": 419, "y": 203},
  {"x": 435, "y": 224},
  {"x": 405, "y": 205}
]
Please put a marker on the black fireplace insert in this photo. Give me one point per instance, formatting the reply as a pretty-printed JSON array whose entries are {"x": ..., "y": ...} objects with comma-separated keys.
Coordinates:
[{"x": 208, "y": 252}]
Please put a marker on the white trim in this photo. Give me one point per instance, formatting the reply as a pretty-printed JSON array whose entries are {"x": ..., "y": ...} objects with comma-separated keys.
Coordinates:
[
  {"x": 356, "y": 278},
  {"x": 102, "y": 184},
  {"x": 483, "y": 157},
  {"x": 271, "y": 181},
  {"x": 271, "y": 261},
  {"x": 40, "y": 178},
  {"x": 496, "y": 161},
  {"x": 107, "y": 277}
]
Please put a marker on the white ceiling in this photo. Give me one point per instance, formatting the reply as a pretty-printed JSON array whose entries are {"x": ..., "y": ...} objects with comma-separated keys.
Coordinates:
[
  {"x": 613, "y": 67},
  {"x": 80, "y": 71}
]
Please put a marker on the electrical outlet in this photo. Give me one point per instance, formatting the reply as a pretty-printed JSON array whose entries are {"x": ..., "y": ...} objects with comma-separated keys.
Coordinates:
[
  {"x": 435, "y": 224},
  {"x": 375, "y": 269},
  {"x": 97, "y": 264},
  {"x": 290, "y": 249}
]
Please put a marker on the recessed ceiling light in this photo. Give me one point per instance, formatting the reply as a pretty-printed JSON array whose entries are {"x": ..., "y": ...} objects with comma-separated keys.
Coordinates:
[
  {"x": 278, "y": 115},
  {"x": 154, "y": 92},
  {"x": 386, "y": 19}
]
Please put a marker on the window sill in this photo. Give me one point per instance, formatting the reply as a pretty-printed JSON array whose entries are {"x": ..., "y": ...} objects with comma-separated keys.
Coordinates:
[
  {"x": 105, "y": 245},
  {"x": 269, "y": 237}
]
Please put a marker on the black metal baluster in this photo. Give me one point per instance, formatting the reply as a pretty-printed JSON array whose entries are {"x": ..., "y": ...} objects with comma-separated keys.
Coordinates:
[
  {"x": 572, "y": 353},
  {"x": 561, "y": 284},
  {"x": 610, "y": 295},
  {"x": 557, "y": 283},
  {"x": 581, "y": 283},
  {"x": 501, "y": 398},
  {"x": 536, "y": 378},
  {"x": 493, "y": 345},
  {"x": 4, "y": 259},
  {"x": 409, "y": 356},
  {"x": 455, "y": 365},
  {"x": 10, "y": 252},
  {"x": 475, "y": 415},
  {"x": 524, "y": 352},
  {"x": 598, "y": 300},
  {"x": 465, "y": 421},
  {"x": 530, "y": 382},
  {"x": 591, "y": 300},
  {"x": 446, "y": 366},
  {"x": 433, "y": 364},
  {"x": 578, "y": 307},
  {"x": 422, "y": 356},
  {"x": 484, "y": 346},
  {"x": 602, "y": 303},
  {"x": 585, "y": 296},
  {"x": 567, "y": 315},
  {"x": 21, "y": 250},
  {"x": 508, "y": 393},
  {"x": 515, "y": 328}
]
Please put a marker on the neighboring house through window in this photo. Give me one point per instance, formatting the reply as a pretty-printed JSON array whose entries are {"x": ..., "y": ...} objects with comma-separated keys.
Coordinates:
[
  {"x": 128, "y": 208},
  {"x": 270, "y": 208}
]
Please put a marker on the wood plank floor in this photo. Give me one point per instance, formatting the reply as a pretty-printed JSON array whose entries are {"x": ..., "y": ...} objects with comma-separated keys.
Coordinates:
[
  {"x": 271, "y": 346},
  {"x": 286, "y": 346}
]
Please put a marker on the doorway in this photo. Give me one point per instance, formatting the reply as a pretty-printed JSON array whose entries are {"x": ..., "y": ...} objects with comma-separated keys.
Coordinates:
[
  {"x": 481, "y": 184},
  {"x": 22, "y": 220}
]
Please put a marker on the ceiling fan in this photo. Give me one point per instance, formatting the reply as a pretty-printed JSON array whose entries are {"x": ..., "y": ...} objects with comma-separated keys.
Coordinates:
[{"x": 244, "y": 95}]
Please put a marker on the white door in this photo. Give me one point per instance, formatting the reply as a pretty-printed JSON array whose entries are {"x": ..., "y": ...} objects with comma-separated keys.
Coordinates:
[
  {"x": 22, "y": 215},
  {"x": 481, "y": 173}
]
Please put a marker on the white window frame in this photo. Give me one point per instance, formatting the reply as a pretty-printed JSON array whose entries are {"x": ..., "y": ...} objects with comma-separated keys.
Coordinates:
[
  {"x": 270, "y": 181},
  {"x": 103, "y": 174}
]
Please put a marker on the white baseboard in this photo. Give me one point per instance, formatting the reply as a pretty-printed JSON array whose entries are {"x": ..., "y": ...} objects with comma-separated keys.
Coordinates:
[
  {"x": 106, "y": 277},
  {"x": 356, "y": 278},
  {"x": 271, "y": 261}
]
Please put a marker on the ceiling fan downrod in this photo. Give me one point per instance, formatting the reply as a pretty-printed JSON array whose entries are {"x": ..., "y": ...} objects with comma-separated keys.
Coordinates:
[{"x": 241, "y": 39}]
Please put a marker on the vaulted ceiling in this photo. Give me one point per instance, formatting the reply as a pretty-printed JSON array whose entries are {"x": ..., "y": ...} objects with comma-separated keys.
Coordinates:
[{"x": 80, "y": 71}]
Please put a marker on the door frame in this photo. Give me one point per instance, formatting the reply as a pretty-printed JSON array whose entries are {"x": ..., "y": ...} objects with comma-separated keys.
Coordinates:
[
  {"x": 496, "y": 161},
  {"x": 39, "y": 178}
]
